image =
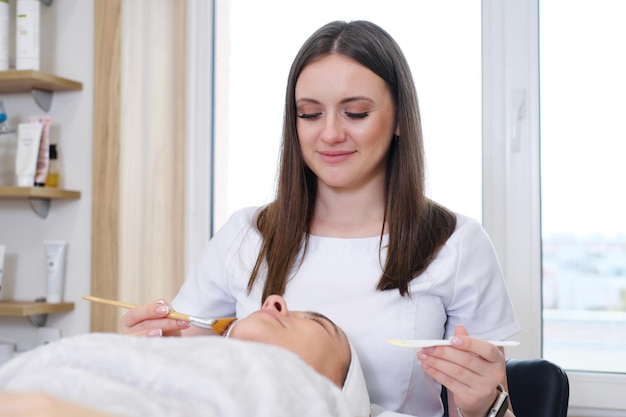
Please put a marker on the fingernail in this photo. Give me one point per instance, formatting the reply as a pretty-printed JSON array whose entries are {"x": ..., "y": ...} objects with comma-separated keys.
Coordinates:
[
  {"x": 155, "y": 332},
  {"x": 422, "y": 355},
  {"x": 457, "y": 341},
  {"x": 183, "y": 323},
  {"x": 164, "y": 309}
]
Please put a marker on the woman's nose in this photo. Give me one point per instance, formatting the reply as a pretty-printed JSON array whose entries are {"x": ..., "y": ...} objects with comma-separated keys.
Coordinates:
[
  {"x": 277, "y": 303},
  {"x": 332, "y": 130}
]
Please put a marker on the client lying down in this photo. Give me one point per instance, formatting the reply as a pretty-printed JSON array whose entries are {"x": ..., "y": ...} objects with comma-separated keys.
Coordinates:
[{"x": 275, "y": 362}]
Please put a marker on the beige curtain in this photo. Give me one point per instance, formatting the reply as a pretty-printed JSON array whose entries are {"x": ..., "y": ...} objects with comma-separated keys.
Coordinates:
[{"x": 139, "y": 153}]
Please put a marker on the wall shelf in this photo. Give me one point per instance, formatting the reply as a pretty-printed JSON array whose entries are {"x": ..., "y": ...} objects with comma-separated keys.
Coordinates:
[
  {"x": 20, "y": 81},
  {"x": 40, "y": 84},
  {"x": 39, "y": 198},
  {"x": 16, "y": 193},
  {"x": 32, "y": 308}
]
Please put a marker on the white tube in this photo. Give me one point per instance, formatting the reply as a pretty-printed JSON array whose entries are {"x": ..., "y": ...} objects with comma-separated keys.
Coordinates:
[
  {"x": 43, "y": 160},
  {"x": 55, "y": 269},
  {"x": 28, "y": 137},
  {"x": 3, "y": 250}
]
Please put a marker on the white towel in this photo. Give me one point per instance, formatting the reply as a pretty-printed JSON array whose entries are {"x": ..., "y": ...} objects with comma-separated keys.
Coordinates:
[{"x": 188, "y": 376}]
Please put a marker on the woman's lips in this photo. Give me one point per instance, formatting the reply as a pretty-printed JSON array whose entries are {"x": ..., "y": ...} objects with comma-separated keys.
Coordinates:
[{"x": 334, "y": 157}]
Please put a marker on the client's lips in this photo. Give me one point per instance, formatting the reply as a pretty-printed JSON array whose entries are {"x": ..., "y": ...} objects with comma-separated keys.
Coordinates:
[{"x": 272, "y": 314}]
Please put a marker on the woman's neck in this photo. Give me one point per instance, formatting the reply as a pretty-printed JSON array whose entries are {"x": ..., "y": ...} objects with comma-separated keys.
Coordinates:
[{"x": 348, "y": 214}]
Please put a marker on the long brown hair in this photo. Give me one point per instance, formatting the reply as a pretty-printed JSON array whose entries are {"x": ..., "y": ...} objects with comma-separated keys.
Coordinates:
[{"x": 418, "y": 227}]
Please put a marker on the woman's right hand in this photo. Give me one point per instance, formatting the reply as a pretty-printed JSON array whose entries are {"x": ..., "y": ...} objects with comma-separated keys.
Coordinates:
[{"x": 151, "y": 320}]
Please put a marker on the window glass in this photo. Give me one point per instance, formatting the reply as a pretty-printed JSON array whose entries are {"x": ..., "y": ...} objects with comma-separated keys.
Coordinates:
[
  {"x": 255, "y": 44},
  {"x": 583, "y": 148}
]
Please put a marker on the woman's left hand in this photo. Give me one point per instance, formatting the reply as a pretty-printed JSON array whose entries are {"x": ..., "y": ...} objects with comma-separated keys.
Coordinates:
[{"x": 470, "y": 369}]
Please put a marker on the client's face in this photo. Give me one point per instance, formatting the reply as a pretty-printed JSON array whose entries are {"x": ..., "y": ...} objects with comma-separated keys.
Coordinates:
[{"x": 313, "y": 337}]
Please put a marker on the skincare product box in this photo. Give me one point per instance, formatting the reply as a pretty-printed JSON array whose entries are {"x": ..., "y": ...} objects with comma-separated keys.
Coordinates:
[
  {"x": 28, "y": 139},
  {"x": 4, "y": 35},
  {"x": 27, "y": 35}
]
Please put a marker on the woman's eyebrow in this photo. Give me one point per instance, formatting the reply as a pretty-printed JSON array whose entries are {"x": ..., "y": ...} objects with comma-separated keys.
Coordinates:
[
  {"x": 323, "y": 317},
  {"x": 303, "y": 100}
]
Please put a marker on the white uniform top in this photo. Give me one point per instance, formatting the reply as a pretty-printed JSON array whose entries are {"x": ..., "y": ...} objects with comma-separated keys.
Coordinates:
[{"x": 463, "y": 285}]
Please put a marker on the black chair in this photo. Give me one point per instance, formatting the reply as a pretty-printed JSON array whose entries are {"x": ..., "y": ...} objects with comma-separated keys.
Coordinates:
[{"x": 538, "y": 388}]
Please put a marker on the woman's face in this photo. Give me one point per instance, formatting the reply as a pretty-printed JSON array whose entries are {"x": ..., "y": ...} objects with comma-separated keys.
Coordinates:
[
  {"x": 346, "y": 121},
  {"x": 313, "y": 337}
]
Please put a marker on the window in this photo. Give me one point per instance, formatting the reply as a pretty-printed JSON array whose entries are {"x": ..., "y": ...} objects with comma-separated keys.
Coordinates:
[
  {"x": 582, "y": 180},
  {"x": 254, "y": 52},
  {"x": 522, "y": 161}
]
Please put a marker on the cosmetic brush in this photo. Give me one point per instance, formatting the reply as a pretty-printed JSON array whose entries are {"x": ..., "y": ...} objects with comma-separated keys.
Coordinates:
[
  {"x": 219, "y": 326},
  {"x": 437, "y": 342}
]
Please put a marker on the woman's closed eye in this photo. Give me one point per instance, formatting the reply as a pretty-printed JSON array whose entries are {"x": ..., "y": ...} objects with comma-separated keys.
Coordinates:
[
  {"x": 361, "y": 115},
  {"x": 351, "y": 115},
  {"x": 309, "y": 116}
]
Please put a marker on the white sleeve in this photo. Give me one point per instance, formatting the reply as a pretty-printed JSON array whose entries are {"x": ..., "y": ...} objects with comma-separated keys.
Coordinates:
[
  {"x": 481, "y": 300},
  {"x": 208, "y": 289}
]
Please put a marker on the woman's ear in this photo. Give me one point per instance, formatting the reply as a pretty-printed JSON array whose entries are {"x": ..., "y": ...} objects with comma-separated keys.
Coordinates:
[{"x": 397, "y": 131}]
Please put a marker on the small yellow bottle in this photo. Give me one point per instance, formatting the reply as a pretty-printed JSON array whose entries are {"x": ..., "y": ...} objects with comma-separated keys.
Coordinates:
[{"x": 53, "y": 178}]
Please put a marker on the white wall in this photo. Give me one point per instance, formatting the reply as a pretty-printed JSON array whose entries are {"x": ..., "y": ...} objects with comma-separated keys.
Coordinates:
[{"x": 67, "y": 51}]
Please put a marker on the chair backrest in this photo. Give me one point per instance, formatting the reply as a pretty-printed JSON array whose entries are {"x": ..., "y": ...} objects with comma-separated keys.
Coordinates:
[{"x": 538, "y": 388}]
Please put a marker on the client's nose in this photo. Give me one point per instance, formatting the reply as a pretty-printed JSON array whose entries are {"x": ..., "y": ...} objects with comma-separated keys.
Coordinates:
[{"x": 276, "y": 302}]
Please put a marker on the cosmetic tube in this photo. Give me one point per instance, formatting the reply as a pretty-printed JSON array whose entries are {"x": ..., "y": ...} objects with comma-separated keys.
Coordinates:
[
  {"x": 43, "y": 157},
  {"x": 3, "y": 250},
  {"x": 27, "y": 35},
  {"x": 28, "y": 137},
  {"x": 55, "y": 269}
]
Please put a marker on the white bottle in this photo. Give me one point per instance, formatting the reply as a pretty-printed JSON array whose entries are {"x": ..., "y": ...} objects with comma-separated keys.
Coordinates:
[
  {"x": 27, "y": 35},
  {"x": 55, "y": 269},
  {"x": 4, "y": 35}
]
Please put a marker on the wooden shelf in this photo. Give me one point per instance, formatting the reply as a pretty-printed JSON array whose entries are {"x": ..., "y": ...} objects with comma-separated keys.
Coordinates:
[
  {"x": 31, "y": 308},
  {"x": 21, "y": 81},
  {"x": 16, "y": 193}
]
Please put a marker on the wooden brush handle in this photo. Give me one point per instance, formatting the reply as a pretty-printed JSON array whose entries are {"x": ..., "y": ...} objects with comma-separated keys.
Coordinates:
[
  {"x": 109, "y": 302},
  {"x": 172, "y": 315}
]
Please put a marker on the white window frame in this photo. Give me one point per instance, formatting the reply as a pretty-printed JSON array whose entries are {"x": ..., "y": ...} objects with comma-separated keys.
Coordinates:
[
  {"x": 199, "y": 129},
  {"x": 510, "y": 171},
  {"x": 511, "y": 185}
]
